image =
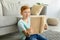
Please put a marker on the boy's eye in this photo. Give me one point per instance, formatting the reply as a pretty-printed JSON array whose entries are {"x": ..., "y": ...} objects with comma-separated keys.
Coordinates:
[{"x": 26, "y": 12}]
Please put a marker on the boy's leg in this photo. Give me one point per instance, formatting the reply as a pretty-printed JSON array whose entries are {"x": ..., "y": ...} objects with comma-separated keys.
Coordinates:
[
  {"x": 35, "y": 37},
  {"x": 30, "y": 38},
  {"x": 38, "y": 37}
]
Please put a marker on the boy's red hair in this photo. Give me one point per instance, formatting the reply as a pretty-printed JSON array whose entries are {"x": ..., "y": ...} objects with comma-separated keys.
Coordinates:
[{"x": 24, "y": 8}]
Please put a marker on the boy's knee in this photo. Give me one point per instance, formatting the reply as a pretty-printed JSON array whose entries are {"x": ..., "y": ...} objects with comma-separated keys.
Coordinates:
[{"x": 33, "y": 39}]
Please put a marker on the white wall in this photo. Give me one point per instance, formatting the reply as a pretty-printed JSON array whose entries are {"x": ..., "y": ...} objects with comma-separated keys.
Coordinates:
[{"x": 52, "y": 8}]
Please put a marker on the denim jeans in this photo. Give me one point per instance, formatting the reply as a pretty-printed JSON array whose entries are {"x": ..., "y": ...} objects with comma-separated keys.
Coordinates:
[{"x": 35, "y": 37}]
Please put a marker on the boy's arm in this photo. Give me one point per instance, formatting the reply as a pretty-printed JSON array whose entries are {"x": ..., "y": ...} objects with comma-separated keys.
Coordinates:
[
  {"x": 28, "y": 31},
  {"x": 22, "y": 28}
]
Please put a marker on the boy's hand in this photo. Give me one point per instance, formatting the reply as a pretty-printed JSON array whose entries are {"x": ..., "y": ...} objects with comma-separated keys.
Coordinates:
[
  {"x": 26, "y": 33},
  {"x": 30, "y": 31}
]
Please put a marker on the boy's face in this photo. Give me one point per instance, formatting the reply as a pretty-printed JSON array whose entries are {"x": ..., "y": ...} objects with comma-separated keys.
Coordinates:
[{"x": 26, "y": 13}]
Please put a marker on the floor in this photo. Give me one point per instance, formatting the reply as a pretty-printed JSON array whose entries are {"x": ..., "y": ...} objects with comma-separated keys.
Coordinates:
[{"x": 55, "y": 28}]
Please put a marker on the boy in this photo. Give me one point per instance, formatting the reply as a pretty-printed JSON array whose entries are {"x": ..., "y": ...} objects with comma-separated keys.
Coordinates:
[{"x": 24, "y": 26}]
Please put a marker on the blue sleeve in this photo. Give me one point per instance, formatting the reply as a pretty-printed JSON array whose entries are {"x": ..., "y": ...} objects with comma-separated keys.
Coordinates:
[{"x": 21, "y": 27}]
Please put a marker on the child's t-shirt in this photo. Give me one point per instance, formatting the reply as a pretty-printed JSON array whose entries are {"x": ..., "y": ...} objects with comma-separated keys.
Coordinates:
[{"x": 22, "y": 25}]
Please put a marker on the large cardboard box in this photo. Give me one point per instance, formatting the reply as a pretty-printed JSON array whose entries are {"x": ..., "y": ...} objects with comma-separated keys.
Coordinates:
[{"x": 37, "y": 23}]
